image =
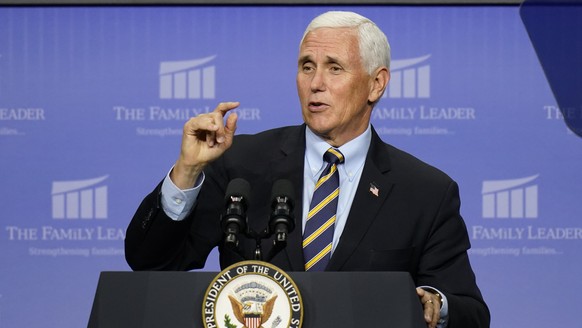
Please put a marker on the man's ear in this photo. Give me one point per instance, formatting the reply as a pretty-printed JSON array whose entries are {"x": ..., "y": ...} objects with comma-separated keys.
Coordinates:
[{"x": 381, "y": 78}]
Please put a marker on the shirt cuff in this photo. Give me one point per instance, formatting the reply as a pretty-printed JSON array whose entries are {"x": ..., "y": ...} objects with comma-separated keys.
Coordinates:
[
  {"x": 444, "y": 314},
  {"x": 178, "y": 203}
]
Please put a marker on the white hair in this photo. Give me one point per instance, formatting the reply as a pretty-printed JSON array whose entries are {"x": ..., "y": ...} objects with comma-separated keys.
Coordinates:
[{"x": 374, "y": 46}]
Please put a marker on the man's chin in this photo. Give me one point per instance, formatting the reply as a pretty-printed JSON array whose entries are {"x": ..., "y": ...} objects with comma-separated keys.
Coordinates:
[{"x": 320, "y": 131}]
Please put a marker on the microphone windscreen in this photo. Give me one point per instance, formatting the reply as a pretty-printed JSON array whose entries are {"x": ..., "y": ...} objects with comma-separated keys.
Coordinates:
[
  {"x": 238, "y": 187},
  {"x": 282, "y": 188}
]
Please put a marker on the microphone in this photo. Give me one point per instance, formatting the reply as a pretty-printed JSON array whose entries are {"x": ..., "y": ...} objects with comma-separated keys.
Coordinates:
[
  {"x": 234, "y": 218},
  {"x": 282, "y": 221}
]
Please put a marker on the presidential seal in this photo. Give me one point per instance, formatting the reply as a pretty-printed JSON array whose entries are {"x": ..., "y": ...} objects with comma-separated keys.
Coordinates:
[{"x": 252, "y": 294}]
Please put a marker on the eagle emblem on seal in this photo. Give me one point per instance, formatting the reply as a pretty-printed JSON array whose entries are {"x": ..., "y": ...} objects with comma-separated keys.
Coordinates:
[{"x": 252, "y": 304}]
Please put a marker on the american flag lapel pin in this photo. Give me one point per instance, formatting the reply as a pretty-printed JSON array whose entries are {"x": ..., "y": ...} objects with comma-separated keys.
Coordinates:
[{"x": 374, "y": 189}]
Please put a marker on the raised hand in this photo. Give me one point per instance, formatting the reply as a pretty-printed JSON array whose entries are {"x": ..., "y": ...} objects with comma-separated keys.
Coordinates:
[{"x": 204, "y": 139}]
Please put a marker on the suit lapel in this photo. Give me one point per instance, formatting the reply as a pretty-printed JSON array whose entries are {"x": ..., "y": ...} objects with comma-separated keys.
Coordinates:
[
  {"x": 372, "y": 192},
  {"x": 288, "y": 164}
]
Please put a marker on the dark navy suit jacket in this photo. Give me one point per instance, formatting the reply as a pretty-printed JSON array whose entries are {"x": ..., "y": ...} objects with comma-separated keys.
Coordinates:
[{"x": 413, "y": 224}]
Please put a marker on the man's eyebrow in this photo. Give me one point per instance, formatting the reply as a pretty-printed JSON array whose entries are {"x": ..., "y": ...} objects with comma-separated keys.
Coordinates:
[
  {"x": 304, "y": 59},
  {"x": 307, "y": 58},
  {"x": 332, "y": 60}
]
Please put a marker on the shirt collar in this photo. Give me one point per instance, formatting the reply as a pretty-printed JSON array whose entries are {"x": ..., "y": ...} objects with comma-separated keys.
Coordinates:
[{"x": 354, "y": 151}]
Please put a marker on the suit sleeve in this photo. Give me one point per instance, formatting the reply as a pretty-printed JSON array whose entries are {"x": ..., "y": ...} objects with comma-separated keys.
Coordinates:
[
  {"x": 445, "y": 265},
  {"x": 156, "y": 242}
]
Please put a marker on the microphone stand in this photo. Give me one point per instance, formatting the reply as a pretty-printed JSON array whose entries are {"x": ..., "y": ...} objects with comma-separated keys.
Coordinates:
[
  {"x": 279, "y": 243},
  {"x": 281, "y": 221},
  {"x": 258, "y": 237}
]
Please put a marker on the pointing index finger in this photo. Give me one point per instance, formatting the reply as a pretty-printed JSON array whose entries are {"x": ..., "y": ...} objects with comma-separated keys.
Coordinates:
[{"x": 225, "y": 107}]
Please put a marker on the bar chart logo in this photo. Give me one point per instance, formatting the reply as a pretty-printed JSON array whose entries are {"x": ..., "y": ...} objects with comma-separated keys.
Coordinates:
[
  {"x": 189, "y": 79},
  {"x": 80, "y": 199},
  {"x": 409, "y": 78},
  {"x": 516, "y": 199}
]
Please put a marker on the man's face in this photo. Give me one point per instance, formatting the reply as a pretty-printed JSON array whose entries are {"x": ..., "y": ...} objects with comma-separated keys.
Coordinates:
[{"x": 334, "y": 88}]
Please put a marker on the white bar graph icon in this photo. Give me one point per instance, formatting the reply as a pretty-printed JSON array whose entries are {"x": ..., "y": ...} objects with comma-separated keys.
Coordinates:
[
  {"x": 409, "y": 79},
  {"x": 188, "y": 79},
  {"x": 79, "y": 199},
  {"x": 516, "y": 198}
]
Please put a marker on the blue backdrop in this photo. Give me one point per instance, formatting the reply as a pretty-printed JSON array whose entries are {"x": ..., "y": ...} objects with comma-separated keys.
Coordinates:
[{"x": 92, "y": 101}]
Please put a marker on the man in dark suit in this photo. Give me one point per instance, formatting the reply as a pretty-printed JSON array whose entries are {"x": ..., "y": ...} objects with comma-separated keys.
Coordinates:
[{"x": 394, "y": 212}]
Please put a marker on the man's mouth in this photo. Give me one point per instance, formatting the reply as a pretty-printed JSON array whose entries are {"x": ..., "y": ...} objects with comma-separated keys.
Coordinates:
[{"x": 317, "y": 106}]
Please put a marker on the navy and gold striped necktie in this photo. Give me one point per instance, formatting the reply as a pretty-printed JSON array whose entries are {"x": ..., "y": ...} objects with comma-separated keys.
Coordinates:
[{"x": 318, "y": 234}]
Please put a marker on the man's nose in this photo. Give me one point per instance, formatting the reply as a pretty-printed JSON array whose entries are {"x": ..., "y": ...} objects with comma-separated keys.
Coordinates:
[{"x": 318, "y": 81}]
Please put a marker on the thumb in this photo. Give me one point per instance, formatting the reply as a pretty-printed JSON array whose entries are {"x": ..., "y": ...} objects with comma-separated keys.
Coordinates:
[{"x": 230, "y": 126}]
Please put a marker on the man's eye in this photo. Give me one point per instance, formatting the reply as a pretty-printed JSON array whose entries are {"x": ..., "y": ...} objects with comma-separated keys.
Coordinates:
[
  {"x": 335, "y": 69},
  {"x": 307, "y": 68}
]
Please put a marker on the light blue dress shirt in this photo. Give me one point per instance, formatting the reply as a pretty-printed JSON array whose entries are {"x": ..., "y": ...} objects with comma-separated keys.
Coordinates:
[{"x": 350, "y": 172}]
